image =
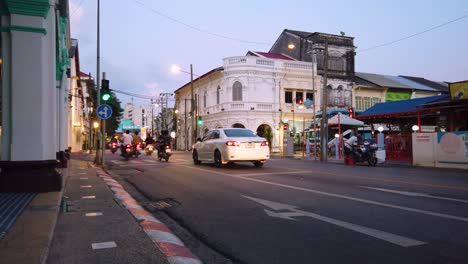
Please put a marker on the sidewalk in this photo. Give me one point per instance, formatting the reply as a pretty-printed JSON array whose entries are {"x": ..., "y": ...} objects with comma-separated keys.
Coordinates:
[
  {"x": 82, "y": 230},
  {"x": 28, "y": 240},
  {"x": 94, "y": 228}
]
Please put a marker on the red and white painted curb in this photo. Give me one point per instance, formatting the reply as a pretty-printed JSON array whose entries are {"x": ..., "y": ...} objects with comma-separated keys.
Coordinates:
[{"x": 169, "y": 244}]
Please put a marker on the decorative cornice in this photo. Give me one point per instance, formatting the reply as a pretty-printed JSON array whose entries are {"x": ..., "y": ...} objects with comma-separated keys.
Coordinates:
[
  {"x": 24, "y": 29},
  {"x": 38, "y": 8}
]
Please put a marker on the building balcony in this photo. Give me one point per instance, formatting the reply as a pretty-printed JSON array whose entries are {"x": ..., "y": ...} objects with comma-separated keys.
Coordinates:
[
  {"x": 265, "y": 63},
  {"x": 252, "y": 106}
]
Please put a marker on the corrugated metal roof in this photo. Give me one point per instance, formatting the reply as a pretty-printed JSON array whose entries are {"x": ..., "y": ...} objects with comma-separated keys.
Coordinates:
[
  {"x": 440, "y": 86},
  {"x": 403, "y": 106},
  {"x": 382, "y": 80},
  {"x": 411, "y": 83}
]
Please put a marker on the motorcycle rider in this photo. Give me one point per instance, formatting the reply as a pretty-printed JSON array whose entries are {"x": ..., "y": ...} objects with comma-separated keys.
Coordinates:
[
  {"x": 163, "y": 140},
  {"x": 126, "y": 139},
  {"x": 136, "y": 139},
  {"x": 149, "y": 139}
]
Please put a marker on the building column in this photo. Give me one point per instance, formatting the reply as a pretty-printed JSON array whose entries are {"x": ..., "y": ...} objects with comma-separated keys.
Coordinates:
[{"x": 29, "y": 165}]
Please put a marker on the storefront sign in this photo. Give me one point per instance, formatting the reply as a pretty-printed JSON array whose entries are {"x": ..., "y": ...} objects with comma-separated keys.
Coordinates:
[{"x": 459, "y": 90}]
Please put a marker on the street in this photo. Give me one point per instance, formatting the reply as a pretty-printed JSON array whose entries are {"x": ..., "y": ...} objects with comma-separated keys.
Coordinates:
[{"x": 301, "y": 211}]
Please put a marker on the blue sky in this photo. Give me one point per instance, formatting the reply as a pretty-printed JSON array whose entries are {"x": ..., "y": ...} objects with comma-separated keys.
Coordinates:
[{"x": 138, "y": 46}]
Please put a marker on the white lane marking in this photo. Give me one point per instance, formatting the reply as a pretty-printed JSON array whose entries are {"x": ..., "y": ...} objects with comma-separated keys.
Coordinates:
[
  {"x": 404, "y": 208},
  {"x": 416, "y": 194},
  {"x": 89, "y": 197},
  {"x": 86, "y": 186},
  {"x": 94, "y": 214},
  {"x": 83, "y": 178},
  {"x": 101, "y": 245},
  {"x": 293, "y": 211},
  {"x": 273, "y": 173}
]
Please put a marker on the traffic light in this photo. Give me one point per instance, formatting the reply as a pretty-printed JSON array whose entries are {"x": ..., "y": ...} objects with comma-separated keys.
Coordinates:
[
  {"x": 199, "y": 121},
  {"x": 351, "y": 112},
  {"x": 105, "y": 91}
]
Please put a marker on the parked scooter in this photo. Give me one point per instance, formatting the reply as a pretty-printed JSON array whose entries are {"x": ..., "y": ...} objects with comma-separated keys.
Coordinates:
[
  {"x": 164, "y": 152},
  {"x": 149, "y": 149},
  {"x": 366, "y": 152}
]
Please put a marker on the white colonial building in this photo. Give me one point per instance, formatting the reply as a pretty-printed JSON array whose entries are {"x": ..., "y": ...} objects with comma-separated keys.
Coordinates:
[{"x": 259, "y": 91}]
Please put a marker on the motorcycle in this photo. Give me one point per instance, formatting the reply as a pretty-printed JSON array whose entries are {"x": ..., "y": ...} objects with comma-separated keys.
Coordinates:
[
  {"x": 365, "y": 152},
  {"x": 131, "y": 150},
  {"x": 113, "y": 147},
  {"x": 165, "y": 153},
  {"x": 149, "y": 149}
]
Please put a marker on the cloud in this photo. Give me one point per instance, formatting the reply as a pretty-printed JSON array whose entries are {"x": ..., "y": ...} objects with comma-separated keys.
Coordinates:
[{"x": 152, "y": 88}]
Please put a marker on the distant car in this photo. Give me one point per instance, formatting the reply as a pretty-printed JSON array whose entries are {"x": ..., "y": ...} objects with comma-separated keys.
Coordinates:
[{"x": 223, "y": 146}]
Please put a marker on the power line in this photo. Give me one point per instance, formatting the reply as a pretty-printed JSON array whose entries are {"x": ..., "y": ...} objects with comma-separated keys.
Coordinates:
[
  {"x": 199, "y": 29},
  {"x": 78, "y": 7},
  {"x": 138, "y": 95},
  {"x": 414, "y": 35}
]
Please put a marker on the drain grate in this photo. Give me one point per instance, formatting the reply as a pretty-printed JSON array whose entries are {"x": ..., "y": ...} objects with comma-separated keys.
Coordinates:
[{"x": 164, "y": 204}]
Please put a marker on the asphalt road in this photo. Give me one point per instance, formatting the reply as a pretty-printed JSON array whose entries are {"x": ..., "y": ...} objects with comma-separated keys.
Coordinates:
[{"x": 301, "y": 211}]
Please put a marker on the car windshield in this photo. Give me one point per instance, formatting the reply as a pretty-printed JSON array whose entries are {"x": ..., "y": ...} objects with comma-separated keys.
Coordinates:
[{"x": 239, "y": 133}]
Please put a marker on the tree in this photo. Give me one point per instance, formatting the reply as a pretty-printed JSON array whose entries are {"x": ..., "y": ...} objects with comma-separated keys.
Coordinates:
[{"x": 113, "y": 122}]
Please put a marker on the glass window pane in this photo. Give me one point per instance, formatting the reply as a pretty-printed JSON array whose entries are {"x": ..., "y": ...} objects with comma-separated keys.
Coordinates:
[{"x": 239, "y": 133}]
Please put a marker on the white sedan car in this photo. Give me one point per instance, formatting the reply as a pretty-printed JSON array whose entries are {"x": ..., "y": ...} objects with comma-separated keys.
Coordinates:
[{"x": 226, "y": 145}]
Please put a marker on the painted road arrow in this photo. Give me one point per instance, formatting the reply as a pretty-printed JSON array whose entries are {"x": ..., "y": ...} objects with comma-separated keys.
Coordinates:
[{"x": 293, "y": 211}]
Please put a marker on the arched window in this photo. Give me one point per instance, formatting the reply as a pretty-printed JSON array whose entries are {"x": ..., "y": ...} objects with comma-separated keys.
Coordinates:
[
  {"x": 339, "y": 99},
  {"x": 330, "y": 95},
  {"x": 217, "y": 94},
  {"x": 237, "y": 91}
]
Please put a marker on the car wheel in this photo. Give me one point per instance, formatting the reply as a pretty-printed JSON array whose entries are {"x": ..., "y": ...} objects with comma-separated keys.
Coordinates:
[
  {"x": 258, "y": 164},
  {"x": 196, "y": 161},
  {"x": 218, "y": 159}
]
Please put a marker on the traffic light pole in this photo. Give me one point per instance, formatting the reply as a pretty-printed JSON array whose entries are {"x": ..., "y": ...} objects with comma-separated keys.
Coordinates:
[
  {"x": 98, "y": 73},
  {"x": 103, "y": 140}
]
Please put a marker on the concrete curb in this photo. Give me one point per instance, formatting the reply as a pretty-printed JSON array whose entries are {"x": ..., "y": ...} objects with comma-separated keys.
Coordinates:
[{"x": 168, "y": 243}]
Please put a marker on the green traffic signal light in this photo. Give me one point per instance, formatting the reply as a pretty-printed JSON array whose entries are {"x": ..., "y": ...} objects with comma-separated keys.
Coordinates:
[
  {"x": 200, "y": 121},
  {"x": 105, "y": 91},
  {"x": 105, "y": 96}
]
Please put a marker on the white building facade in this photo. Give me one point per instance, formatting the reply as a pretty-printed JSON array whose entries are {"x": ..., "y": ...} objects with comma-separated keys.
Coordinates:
[
  {"x": 258, "y": 93},
  {"x": 140, "y": 115}
]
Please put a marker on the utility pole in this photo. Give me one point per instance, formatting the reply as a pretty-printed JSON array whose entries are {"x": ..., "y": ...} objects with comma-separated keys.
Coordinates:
[
  {"x": 313, "y": 107},
  {"x": 98, "y": 73},
  {"x": 192, "y": 106},
  {"x": 185, "y": 124},
  {"x": 152, "y": 118},
  {"x": 324, "y": 121}
]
